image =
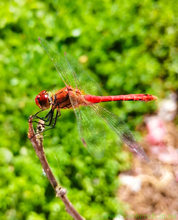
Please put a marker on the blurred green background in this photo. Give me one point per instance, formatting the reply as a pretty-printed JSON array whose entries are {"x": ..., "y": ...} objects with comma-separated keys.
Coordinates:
[{"x": 126, "y": 46}]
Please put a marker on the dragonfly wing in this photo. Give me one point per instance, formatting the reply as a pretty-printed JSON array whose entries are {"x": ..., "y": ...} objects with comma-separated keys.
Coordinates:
[
  {"x": 70, "y": 71},
  {"x": 60, "y": 62},
  {"x": 91, "y": 131},
  {"x": 84, "y": 81},
  {"x": 121, "y": 129},
  {"x": 90, "y": 127}
]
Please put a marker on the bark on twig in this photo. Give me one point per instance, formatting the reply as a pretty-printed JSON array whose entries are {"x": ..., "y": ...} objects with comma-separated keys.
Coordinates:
[{"x": 37, "y": 142}]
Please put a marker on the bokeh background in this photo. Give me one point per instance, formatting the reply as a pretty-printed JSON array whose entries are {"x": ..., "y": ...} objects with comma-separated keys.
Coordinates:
[{"x": 127, "y": 47}]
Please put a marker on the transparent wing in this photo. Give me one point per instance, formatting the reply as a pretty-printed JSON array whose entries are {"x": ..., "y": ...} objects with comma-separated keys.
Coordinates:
[
  {"x": 121, "y": 129},
  {"x": 91, "y": 131},
  {"x": 90, "y": 126},
  {"x": 60, "y": 63},
  {"x": 70, "y": 71},
  {"x": 85, "y": 82}
]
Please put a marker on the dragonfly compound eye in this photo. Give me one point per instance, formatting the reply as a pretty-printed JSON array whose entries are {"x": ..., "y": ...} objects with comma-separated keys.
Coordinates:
[{"x": 43, "y": 100}]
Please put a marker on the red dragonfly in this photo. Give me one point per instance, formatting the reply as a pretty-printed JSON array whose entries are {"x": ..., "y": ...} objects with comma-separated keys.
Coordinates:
[{"x": 88, "y": 112}]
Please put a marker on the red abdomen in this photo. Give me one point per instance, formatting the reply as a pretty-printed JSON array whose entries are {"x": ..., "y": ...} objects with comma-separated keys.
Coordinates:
[{"x": 131, "y": 97}]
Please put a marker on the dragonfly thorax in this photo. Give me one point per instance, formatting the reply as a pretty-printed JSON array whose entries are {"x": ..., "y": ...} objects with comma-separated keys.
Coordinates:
[{"x": 43, "y": 100}]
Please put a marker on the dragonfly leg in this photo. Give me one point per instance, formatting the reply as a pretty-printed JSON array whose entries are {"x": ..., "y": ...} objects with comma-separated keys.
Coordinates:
[
  {"x": 58, "y": 114},
  {"x": 48, "y": 116},
  {"x": 36, "y": 115}
]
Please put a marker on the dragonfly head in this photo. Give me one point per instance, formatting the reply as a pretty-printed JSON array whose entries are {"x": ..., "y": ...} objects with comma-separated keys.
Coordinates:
[{"x": 43, "y": 100}]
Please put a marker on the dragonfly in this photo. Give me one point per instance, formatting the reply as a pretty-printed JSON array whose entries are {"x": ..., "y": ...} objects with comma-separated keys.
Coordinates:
[{"x": 82, "y": 94}]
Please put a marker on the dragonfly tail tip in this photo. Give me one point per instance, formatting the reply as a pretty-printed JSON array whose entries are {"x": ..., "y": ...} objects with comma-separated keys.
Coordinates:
[{"x": 155, "y": 98}]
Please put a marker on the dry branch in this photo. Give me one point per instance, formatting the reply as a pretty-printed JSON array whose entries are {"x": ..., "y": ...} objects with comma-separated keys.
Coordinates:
[{"x": 37, "y": 142}]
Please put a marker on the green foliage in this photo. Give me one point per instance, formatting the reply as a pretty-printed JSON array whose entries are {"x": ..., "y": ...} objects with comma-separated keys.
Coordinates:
[{"x": 131, "y": 47}]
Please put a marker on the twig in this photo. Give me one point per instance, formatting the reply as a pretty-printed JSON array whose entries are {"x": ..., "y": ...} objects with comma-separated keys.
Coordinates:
[{"x": 37, "y": 142}]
